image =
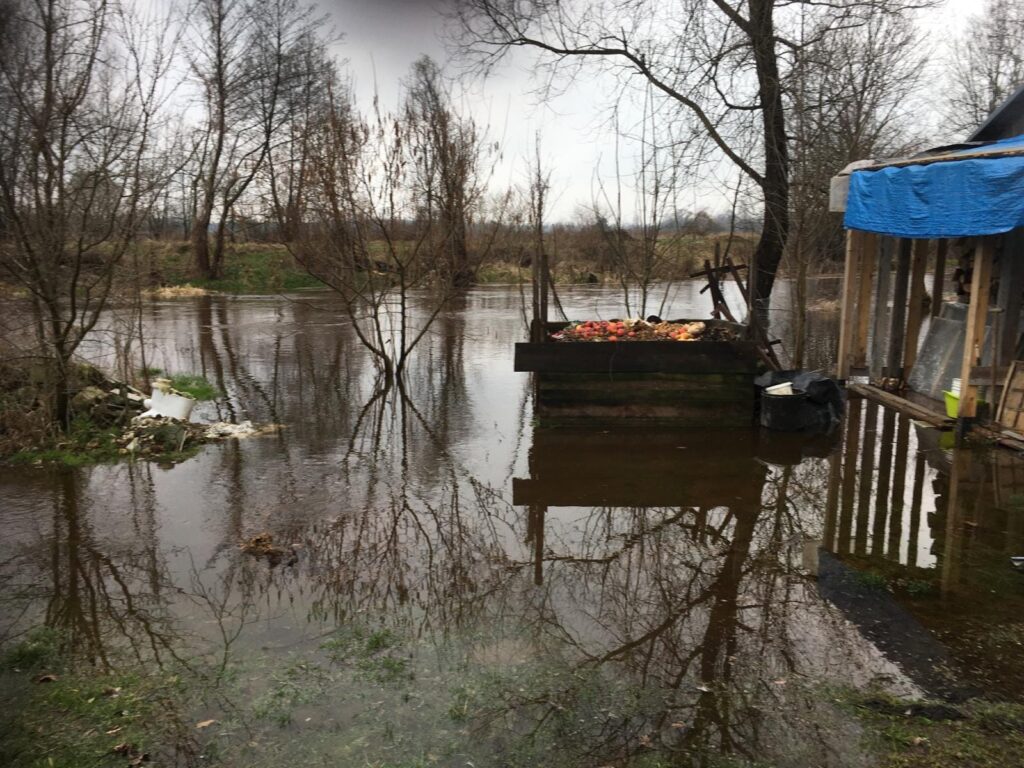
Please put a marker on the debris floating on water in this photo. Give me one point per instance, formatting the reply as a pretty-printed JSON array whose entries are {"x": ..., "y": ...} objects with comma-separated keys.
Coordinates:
[
  {"x": 262, "y": 545},
  {"x": 156, "y": 435},
  {"x": 222, "y": 429}
]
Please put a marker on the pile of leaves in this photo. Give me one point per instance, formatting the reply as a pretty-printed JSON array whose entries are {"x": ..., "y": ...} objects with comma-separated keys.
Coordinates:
[{"x": 636, "y": 330}]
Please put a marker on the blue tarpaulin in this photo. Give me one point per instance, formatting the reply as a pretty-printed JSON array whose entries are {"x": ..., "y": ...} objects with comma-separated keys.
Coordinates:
[{"x": 949, "y": 198}]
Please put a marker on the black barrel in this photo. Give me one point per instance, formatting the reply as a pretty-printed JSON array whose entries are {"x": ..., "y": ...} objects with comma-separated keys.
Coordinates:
[{"x": 789, "y": 413}]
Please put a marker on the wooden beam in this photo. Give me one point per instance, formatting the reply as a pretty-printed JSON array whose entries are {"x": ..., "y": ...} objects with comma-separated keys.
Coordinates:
[
  {"x": 901, "y": 404},
  {"x": 915, "y": 307},
  {"x": 868, "y": 262},
  {"x": 847, "y": 327},
  {"x": 977, "y": 313},
  {"x": 939, "y": 277},
  {"x": 898, "y": 319}
]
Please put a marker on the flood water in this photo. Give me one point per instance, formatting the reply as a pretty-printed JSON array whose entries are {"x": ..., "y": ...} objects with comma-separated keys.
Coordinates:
[{"x": 460, "y": 587}]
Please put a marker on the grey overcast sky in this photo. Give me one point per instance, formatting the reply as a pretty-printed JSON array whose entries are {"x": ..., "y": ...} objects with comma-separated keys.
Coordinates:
[{"x": 382, "y": 38}]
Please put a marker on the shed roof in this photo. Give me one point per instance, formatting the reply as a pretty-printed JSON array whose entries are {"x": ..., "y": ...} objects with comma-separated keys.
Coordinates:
[
  {"x": 958, "y": 191},
  {"x": 1006, "y": 120}
]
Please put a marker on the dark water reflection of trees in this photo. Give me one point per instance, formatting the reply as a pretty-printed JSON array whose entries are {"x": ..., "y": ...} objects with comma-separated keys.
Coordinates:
[{"x": 664, "y": 599}]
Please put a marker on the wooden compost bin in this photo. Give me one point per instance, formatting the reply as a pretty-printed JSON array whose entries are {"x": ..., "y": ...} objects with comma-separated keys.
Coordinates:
[{"x": 677, "y": 383}]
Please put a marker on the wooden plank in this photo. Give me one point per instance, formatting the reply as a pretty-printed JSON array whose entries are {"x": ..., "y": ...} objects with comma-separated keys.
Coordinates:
[
  {"x": 866, "y": 477},
  {"x": 883, "y": 489},
  {"x": 898, "y": 318},
  {"x": 915, "y": 305},
  {"x": 900, "y": 404},
  {"x": 977, "y": 313},
  {"x": 638, "y": 356},
  {"x": 848, "y": 308},
  {"x": 1010, "y": 294},
  {"x": 550, "y": 397},
  {"x": 868, "y": 262},
  {"x": 982, "y": 375},
  {"x": 1011, "y": 405},
  {"x": 939, "y": 277},
  {"x": 681, "y": 380},
  {"x": 880, "y": 318},
  {"x": 851, "y": 452},
  {"x": 693, "y": 416}
]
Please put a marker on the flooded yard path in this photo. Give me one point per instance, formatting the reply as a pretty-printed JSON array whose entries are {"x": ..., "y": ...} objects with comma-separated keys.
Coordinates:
[{"x": 448, "y": 584}]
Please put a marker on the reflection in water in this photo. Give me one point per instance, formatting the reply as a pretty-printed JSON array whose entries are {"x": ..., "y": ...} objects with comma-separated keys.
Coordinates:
[{"x": 461, "y": 586}]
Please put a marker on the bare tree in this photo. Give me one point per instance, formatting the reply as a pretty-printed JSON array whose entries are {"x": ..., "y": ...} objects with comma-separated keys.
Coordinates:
[
  {"x": 851, "y": 98},
  {"x": 722, "y": 64},
  {"x": 296, "y": 74},
  {"x": 640, "y": 258},
  {"x": 988, "y": 64},
  {"x": 78, "y": 171},
  {"x": 447, "y": 157},
  {"x": 360, "y": 233}
]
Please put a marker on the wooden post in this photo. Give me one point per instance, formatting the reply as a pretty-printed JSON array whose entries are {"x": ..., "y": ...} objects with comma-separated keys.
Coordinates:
[
  {"x": 977, "y": 313},
  {"x": 898, "y": 319},
  {"x": 868, "y": 262},
  {"x": 848, "y": 316},
  {"x": 915, "y": 309}
]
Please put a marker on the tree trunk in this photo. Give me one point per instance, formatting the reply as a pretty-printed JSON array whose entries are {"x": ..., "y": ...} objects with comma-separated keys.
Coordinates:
[
  {"x": 201, "y": 242},
  {"x": 461, "y": 274},
  {"x": 217, "y": 262},
  {"x": 775, "y": 185},
  {"x": 61, "y": 396}
]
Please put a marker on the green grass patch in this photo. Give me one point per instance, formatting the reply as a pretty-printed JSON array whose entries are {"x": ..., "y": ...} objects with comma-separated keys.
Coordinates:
[
  {"x": 873, "y": 580},
  {"x": 85, "y": 443},
  {"x": 39, "y": 650},
  {"x": 77, "y": 719},
  {"x": 196, "y": 386},
  {"x": 908, "y": 734}
]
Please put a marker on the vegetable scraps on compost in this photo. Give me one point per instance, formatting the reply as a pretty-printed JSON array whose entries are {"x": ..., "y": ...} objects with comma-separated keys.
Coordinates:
[{"x": 640, "y": 330}]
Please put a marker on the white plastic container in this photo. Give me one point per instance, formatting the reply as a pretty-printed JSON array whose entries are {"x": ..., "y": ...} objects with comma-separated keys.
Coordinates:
[
  {"x": 166, "y": 402},
  {"x": 955, "y": 387},
  {"x": 785, "y": 388}
]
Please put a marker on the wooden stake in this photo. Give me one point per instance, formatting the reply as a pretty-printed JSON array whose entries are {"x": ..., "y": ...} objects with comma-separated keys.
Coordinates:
[{"x": 977, "y": 313}]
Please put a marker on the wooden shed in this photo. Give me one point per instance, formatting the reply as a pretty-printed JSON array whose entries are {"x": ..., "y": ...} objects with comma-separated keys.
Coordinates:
[{"x": 959, "y": 207}]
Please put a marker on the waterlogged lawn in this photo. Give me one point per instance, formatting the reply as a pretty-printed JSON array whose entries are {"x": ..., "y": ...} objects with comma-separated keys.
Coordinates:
[{"x": 381, "y": 697}]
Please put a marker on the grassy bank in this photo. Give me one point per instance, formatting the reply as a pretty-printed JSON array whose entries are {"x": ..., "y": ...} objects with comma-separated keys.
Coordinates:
[
  {"x": 248, "y": 268},
  {"x": 261, "y": 268}
]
